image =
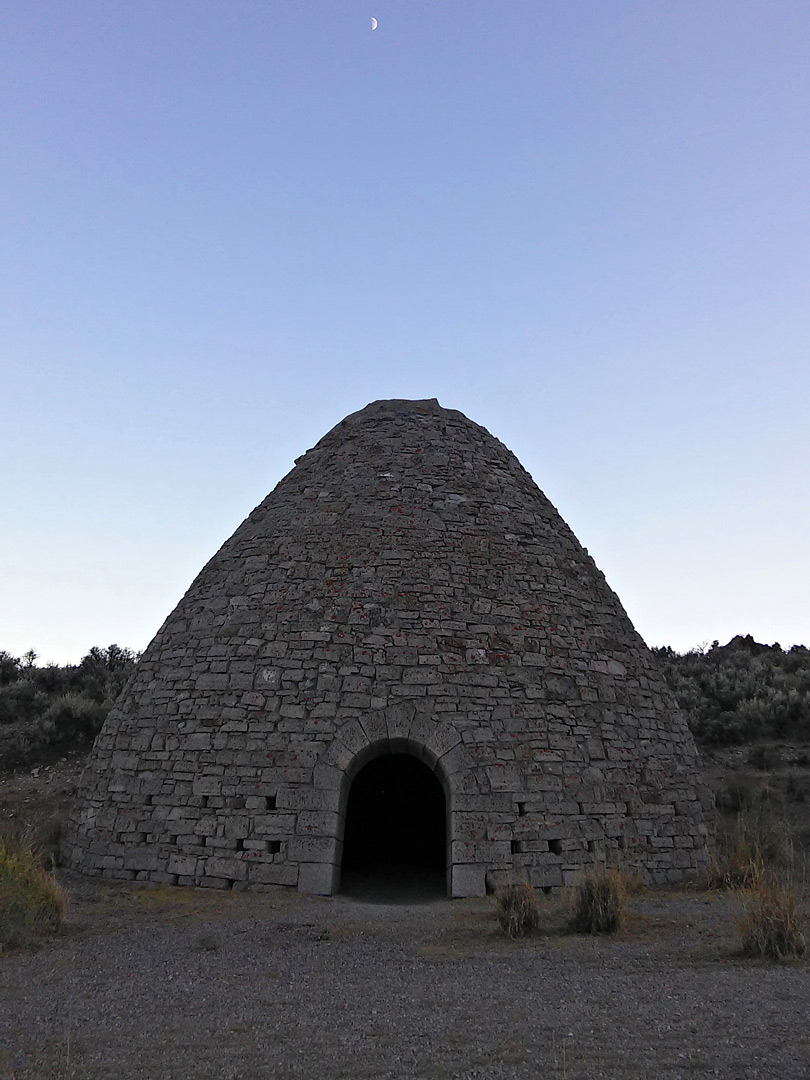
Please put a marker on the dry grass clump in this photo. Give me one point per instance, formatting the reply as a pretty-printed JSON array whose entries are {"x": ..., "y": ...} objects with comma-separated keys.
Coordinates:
[
  {"x": 517, "y": 910},
  {"x": 31, "y": 900},
  {"x": 773, "y": 921},
  {"x": 759, "y": 840},
  {"x": 600, "y": 901},
  {"x": 757, "y": 858}
]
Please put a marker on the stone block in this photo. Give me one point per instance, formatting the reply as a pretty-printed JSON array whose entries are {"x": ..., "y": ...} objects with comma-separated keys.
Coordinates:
[
  {"x": 276, "y": 825},
  {"x": 237, "y": 827},
  {"x": 313, "y": 849},
  {"x": 422, "y": 725},
  {"x": 352, "y": 736},
  {"x": 546, "y": 876},
  {"x": 399, "y": 719},
  {"x": 218, "y": 867},
  {"x": 318, "y": 879},
  {"x": 307, "y": 798},
  {"x": 339, "y": 755},
  {"x": 504, "y": 777},
  {"x": 468, "y": 880},
  {"x": 327, "y": 776},
  {"x": 483, "y": 851},
  {"x": 475, "y": 802},
  {"x": 468, "y": 784},
  {"x": 466, "y": 826},
  {"x": 318, "y": 823},
  {"x": 183, "y": 864},
  {"x": 207, "y": 785},
  {"x": 457, "y": 759},
  {"x": 268, "y": 873},
  {"x": 375, "y": 726},
  {"x": 206, "y": 882},
  {"x": 442, "y": 741}
]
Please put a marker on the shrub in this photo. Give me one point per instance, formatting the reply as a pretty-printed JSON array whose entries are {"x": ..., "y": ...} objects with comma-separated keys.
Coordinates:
[
  {"x": 765, "y": 758},
  {"x": 10, "y": 667},
  {"x": 600, "y": 901},
  {"x": 21, "y": 702},
  {"x": 31, "y": 900},
  {"x": 43, "y": 709},
  {"x": 759, "y": 840},
  {"x": 772, "y": 924},
  {"x": 74, "y": 718},
  {"x": 795, "y": 788},
  {"x": 517, "y": 910},
  {"x": 742, "y": 690},
  {"x": 743, "y": 791}
]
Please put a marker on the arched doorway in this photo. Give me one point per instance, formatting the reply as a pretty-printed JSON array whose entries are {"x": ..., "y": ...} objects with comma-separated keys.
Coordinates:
[{"x": 395, "y": 833}]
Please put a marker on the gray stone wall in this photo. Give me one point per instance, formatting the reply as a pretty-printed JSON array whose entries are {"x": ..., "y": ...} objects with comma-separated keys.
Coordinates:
[{"x": 406, "y": 588}]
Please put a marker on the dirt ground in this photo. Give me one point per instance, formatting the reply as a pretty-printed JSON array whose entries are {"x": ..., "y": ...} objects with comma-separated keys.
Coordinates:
[{"x": 175, "y": 984}]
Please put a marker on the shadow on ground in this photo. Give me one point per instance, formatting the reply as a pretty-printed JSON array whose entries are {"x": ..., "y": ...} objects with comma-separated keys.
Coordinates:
[{"x": 395, "y": 886}]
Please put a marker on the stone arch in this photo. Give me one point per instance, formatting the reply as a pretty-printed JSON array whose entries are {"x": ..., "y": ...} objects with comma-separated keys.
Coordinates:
[
  {"x": 421, "y": 771},
  {"x": 400, "y": 729}
]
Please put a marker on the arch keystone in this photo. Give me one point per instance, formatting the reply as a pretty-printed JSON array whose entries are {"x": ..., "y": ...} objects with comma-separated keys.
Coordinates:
[{"x": 399, "y": 718}]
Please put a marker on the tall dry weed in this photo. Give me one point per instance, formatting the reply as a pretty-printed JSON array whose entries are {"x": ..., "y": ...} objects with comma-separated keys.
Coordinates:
[
  {"x": 517, "y": 910},
  {"x": 31, "y": 900},
  {"x": 600, "y": 901},
  {"x": 759, "y": 843},
  {"x": 772, "y": 924}
]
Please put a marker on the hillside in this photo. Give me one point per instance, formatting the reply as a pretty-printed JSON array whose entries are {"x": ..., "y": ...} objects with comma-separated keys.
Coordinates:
[
  {"x": 742, "y": 691},
  {"x": 50, "y": 711}
]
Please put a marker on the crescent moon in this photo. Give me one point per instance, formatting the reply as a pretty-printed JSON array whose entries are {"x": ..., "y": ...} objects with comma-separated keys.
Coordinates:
[{"x": 374, "y": 24}]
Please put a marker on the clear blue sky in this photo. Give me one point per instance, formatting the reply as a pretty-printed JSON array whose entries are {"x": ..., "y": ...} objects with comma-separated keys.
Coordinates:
[{"x": 228, "y": 224}]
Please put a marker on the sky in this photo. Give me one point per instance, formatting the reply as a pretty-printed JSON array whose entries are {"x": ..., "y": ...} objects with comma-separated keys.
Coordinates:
[{"x": 229, "y": 223}]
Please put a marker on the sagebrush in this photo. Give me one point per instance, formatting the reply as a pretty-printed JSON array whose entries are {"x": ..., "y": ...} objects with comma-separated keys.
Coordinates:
[
  {"x": 52, "y": 709},
  {"x": 741, "y": 691}
]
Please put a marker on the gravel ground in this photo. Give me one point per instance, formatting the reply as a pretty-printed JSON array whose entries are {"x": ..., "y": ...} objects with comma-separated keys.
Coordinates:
[{"x": 182, "y": 984}]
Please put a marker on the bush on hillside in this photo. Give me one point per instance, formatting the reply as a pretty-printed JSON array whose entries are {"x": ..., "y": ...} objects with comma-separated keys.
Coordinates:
[
  {"x": 74, "y": 718},
  {"x": 56, "y": 708},
  {"x": 741, "y": 691}
]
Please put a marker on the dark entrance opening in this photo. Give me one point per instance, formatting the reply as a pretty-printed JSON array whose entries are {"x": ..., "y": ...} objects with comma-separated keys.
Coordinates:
[{"x": 394, "y": 843}]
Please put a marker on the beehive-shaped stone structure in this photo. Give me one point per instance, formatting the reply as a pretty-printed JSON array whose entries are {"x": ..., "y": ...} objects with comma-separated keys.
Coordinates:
[{"x": 406, "y": 593}]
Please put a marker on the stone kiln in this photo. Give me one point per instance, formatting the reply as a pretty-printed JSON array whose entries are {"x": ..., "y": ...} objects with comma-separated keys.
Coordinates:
[{"x": 405, "y": 593}]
